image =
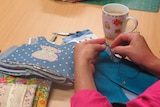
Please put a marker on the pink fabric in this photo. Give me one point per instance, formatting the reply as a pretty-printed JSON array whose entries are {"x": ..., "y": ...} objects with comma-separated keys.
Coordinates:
[
  {"x": 92, "y": 98},
  {"x": 149, "y": 98},
  {"x": 89, "y": 98}
]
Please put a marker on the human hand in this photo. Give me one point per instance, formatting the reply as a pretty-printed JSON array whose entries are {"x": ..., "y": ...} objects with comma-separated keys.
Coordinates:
[
  {"x": 134, "y": 46},
  {"x": 86, "y": 53}
]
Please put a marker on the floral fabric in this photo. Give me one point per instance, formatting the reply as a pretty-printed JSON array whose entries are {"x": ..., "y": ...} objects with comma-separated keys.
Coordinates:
[
  {"x": 36, "y": 90},
  {"x": 17, "y": 95}
]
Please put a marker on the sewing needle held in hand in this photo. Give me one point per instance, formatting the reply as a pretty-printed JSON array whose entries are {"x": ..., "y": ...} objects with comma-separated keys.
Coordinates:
[{"x": 112, "y": 56}]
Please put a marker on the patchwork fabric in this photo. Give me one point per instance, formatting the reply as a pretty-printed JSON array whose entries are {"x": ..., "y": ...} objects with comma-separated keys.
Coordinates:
[
  {"x": 17, "y": 95},
  {"x": 4, "y": 94},
  {"x": 44, "y": 57},
  {"x": 37, "y": 91},
  {"x": 55, "y": 63},
  {"x": 7, "y": 69},
  {"x": 12, "y": 71},
  {"x": 110, "y": 77},
  {"x": 29, "y": 96}
]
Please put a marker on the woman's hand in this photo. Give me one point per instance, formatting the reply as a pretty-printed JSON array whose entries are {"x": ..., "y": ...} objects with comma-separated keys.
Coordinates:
[
  {"x": 134, "y": 46},
  {"x": 87, "y": 52},
  {"x": 85, "y": 56}
]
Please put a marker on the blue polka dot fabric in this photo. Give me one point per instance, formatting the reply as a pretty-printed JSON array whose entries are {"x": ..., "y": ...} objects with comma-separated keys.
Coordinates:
[
  {"x": 50, "y": 58},
  {"x": 44, "y": 58}
]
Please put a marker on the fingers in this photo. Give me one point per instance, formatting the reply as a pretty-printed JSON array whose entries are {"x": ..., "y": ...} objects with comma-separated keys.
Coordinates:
[
  {"x": 98, "y": 44},
  {"x": 122, "y": 39},
  {"x": 96, "y": 41},
  {"x": 121, "y": 50}
]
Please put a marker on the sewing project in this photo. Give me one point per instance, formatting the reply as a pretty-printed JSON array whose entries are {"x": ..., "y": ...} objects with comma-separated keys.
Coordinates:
[
  {"x": 44, "y": 58},
  {"x": 112, "y": 77},
  {"x": 36, "y": 90},
  {"x": 48, "y": 60},
  {"x": 17, "y": 95}
]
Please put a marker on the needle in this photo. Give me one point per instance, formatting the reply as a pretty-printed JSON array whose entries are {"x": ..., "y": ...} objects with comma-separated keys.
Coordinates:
[{"x": 112, "y": 56}]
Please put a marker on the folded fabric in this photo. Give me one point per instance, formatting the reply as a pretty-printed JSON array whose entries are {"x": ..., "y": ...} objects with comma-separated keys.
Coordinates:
[
  {"x": 37, "y": 98},
  {"x": 43, "y": 57},
  {"x": 11, "y": 71},
  {"x": 110, "y": 77},
  {"x": 14, "y": 70},
  {"x": 80, "y": 36},
  {"x": 17, "y": 95}
]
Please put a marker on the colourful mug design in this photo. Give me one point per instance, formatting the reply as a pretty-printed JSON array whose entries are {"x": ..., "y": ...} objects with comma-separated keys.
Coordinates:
[{"x": 115, "y": 18}]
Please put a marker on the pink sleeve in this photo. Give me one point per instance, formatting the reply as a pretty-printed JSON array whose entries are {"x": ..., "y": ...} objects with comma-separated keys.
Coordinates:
[
  {"x": 89, "y": 98},
  {"x": 149, "y": 98}
]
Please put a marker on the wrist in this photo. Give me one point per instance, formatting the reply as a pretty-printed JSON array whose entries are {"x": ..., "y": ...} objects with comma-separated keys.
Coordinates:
[
  {"x": 83, "y": 77},
  {"x": 152, "y": 65},
  {"x": 84, "y": 65}
]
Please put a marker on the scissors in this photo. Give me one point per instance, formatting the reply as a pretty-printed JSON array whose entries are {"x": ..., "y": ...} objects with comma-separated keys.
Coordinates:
[{"x": 55, "y": 35}]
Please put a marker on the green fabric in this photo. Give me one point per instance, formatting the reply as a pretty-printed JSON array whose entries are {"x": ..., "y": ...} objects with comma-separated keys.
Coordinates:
[{"x": 145, "y": 5}]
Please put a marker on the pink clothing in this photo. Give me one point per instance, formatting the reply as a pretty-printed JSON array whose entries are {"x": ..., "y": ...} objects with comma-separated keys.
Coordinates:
[
  {"x": 149, "y": 98},
  {"x": 89, "y": 98},
  {"x": 92, "y": 98}
]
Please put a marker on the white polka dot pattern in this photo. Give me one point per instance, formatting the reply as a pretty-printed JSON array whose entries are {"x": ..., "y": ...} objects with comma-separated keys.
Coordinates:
[{"x": 58, "y": 60}]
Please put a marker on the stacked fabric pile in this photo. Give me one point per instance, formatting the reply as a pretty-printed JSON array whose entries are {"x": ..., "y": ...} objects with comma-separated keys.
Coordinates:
[
  {"x": 44, "y": 58},
  {"x": 23, "y": 92},
  {"x": 27, "y": 71}
]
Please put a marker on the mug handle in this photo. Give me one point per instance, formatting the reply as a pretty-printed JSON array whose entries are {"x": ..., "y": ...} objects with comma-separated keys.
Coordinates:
[{"x": 135, "y": 23}]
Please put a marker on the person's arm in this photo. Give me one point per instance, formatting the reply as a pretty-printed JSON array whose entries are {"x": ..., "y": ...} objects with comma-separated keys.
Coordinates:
[
  {"x": 85, "y": 55},
  {"x": 134, "y": 46},
  {"x": 149, "y": 98}
]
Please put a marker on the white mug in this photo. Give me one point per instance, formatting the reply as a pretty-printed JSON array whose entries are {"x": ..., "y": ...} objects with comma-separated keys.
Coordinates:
[{"x": 115, "y": 18}]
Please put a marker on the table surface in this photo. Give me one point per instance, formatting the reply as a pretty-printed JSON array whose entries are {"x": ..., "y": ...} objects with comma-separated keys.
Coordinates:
[{"x": 23, "y": 19}]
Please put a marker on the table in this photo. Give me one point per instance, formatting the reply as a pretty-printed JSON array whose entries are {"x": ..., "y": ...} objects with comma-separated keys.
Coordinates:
[{"x": 22, "y": 19}]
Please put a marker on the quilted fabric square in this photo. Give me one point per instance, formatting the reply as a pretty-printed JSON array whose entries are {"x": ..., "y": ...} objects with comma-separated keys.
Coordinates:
[
  {"x": 17, "y": 95},
  {"x": 37, "y": 91},
  {"x": 44, "y": 56}
]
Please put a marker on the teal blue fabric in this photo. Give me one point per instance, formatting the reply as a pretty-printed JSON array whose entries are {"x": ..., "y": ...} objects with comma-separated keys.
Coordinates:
[
  {"x": 110, "y": 77},
  {"x": 145, "y": 5}
]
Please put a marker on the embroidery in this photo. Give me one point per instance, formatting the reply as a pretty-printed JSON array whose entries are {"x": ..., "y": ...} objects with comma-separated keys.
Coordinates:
[
  {"x": 47, "y": 53},
  {"x": 2, "y": 92},
  {"x": 46, "y": 59},
  {"x": 16, "y": 95},
  {"x": 29, "y": 96},
  {"x": 5, "y": 93},
  {"x": 37, "y": 89}
]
